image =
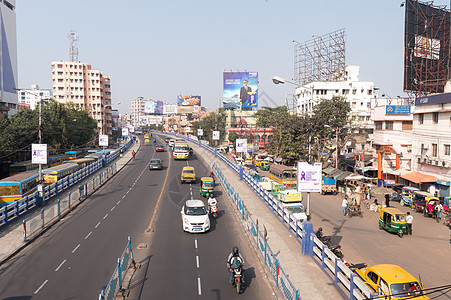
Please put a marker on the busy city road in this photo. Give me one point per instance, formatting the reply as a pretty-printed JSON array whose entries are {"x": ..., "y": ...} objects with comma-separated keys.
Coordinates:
[{"x": 76, "y": 258}]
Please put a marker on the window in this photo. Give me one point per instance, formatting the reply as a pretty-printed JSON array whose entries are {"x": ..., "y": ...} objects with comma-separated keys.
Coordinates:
[
  {"x": 407, "y": 125},
  {"x": 420, "y": 118},
  {"x": 373, "y": 277},
  {"x": 354, "y": 104},
  {"x": 447, "y": 150},
  {"x": 423, "y": 150},
  {"x": 378, "y": 125},
  {"x": 370, "y": 92},
  {"x": 434, "y": 150},
  {"x": 346, "y": 92},
  {"x": 388, "y": 125},
  {"x": 435, "y": 117},
  {"x": 354, "y": 91}
]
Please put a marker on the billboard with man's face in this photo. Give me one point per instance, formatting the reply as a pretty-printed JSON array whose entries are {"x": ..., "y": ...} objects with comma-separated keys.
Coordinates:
[{"x": 240, "y": 89}]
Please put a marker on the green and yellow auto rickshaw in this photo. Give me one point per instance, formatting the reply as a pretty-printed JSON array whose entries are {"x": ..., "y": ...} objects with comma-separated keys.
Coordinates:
[
  {"x": 264, "y": 165},
  {"x": 392, "y": 220},
  {"x": 206, "y": 186}
]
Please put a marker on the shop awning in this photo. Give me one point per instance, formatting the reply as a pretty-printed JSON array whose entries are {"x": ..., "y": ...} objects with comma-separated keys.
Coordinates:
[
  {"x": 328, "y": 170},
  {"x": 335, "y": 173},
  {"x": 418, "y": 177},
  {"x": 343, "y": 175},
  {"x": 354, "y": 177}
]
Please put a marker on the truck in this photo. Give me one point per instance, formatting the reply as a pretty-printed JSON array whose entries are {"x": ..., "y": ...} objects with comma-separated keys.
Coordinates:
[
  {"x": 329, "y": 185},
  {"x": 181, "y": 150}
]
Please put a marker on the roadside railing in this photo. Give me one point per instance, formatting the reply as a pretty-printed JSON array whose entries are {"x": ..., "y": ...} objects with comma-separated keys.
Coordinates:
[
  {"x": 283, "y": 283},
  {"x": 55, "y": 211},
  {"x": 346, "y": 281},
  {"x": 114, "y": 285},
  {"x": 10, "y": 212}
]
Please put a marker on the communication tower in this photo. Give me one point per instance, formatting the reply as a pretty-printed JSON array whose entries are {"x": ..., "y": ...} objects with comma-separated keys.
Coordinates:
[
  {"x": 73, "y": 48},
  {"x": 321, "y": 58}
]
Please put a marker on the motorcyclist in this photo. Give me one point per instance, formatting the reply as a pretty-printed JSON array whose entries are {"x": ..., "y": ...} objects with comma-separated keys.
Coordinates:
[
  {"x": 212, "y": 175},
  {"x": 212, "y": 201},
  {"x": 232, "y": 256},
  {"x": 319, "y": 233},
  {"x": 133, "y": 154}
]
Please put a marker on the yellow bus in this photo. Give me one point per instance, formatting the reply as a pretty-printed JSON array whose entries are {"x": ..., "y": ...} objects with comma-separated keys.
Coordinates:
[
  {"x": 54, "y": 174},
  {"x": 283, "y": 174}
]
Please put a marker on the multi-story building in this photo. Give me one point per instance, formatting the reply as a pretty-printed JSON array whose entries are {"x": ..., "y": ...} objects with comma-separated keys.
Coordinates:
[
  {"x": 358, "y": 93},
  {"x": 86, "y": 88},
  {"x": 8, "y": 58},
  {"x": 33, "y": 96},
  {"x": 138, "y": 108},
  {"x": 431, "y": 147}
]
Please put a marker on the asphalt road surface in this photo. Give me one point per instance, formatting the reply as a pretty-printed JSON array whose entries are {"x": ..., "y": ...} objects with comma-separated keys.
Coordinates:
[{"x": 76, "y": 258}]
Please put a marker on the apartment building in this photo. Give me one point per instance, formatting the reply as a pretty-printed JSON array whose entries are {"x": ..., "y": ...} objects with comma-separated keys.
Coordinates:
[
  {"x": 138, "y": 108},
  {"x": 86, "y": 88},
  {"x": 33, "y": 96}
]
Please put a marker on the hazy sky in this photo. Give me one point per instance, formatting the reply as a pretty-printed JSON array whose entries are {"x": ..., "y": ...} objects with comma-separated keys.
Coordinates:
[{"x": 159, "y": 49}]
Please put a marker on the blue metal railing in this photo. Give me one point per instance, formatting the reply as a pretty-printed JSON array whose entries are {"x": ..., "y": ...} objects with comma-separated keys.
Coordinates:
[{"x": 114, "y": 285}]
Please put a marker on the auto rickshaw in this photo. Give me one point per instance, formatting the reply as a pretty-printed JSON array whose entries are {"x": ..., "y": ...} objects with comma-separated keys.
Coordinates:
[
  {"x": 419, "y": 201},
  {"x": 429, "y": 208},
  {"x": 392, "y": 220},
  {"x": 264, "y": 165},
  {"x": 257, "y": 162},
  {"x": 407, "y": 196},
  {"x": 206, "y": 186}
]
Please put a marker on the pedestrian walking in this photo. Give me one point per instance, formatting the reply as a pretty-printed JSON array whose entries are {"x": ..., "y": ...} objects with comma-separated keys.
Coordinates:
[
  {"x": 369, "y": 193},
  {"x": 439, "y": 209},
  {"x": 409, "y": 220},
  {"x": 344, "y": 205},
  {"x": 387, "y": 200}
]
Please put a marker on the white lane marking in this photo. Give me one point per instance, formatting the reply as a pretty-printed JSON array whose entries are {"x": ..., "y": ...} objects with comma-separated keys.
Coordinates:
[
  {"x": 195, "y": 243},
  {"x": 73, "y": 251},
  {"x": 197, "y": 261},
  {"x": 61, "y": 264},
  {"x": 105, "y": 216},
  {"x": 97, "y": 224},
  {"x": 199, "y": 286},
  {"x": 86, "y": 237},
  {"x": 113, "y": 208},
  {"x": 117, "y": 203},
  {"x": 123, "y": 197},
  {"x": 42, "y": 285}
]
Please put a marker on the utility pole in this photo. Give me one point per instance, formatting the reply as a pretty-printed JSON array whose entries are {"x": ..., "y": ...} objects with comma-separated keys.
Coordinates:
[{"x": 336, "y": 148}]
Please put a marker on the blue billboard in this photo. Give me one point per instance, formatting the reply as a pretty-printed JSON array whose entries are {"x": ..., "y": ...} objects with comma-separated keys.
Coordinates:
[
  {"x": 397, "y": 109},
  {"x": 159, "y": 105},
  {"x": 240, "y": 89}
]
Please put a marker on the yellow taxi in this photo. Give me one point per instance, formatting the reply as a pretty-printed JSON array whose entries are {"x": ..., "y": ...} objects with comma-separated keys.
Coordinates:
[
  {"x": 188, "y": 175},
  {"x": 248, "y": 161},
  {"x": 393, "y": 282}
]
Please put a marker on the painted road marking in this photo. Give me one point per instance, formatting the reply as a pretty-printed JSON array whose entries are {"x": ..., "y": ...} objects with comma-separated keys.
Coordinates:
[
  {"x": 97, "y": 225},
  {"x": 113, "y": 208},
  {"x": 123, "y": 197},
  {"x": 105, "y": 216},
  {"x": 61, "y": 264},
  {"x": 199, "y": 286},
  {"x": 86, "y": 237},
  {"x": 73, "y": 251},
  {"x": 195, "y": 243},
  {"x": 117, "y": 203},
  {"x": 42, "y": 285},
  {"x": 197, "y": 261}
]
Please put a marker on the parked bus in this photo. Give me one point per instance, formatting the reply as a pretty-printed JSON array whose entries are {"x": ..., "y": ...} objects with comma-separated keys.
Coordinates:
[
  {"x": 15, "y": 187},
  {"x": 56, "y": 160},
  {"x": 23, "y": 166},
  {"x": 54, "y": 174},
  {"x": 96, "y": 156},
  {"x": 82, "y": 162},
  {"x": 74, "y": 154},
  {"x": 283, "y": 175}
]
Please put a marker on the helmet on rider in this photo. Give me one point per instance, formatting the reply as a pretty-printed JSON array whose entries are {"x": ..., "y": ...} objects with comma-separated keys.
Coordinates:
[
  {"x": 235, "y": 251},
  {"x": 320, "y": 229}
]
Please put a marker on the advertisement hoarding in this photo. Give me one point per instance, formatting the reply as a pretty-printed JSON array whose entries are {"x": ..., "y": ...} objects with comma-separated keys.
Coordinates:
[
  {"x": 149, "y": 107},
  {"x": 241, "y": 145},
  {"x": 169, "y": 109},
  {"x": 397, "y": 109},
  {"x": 103, "y": 140},
  {"x": 185, "y": 109},
  {"x": 159, "y": 107},
  {"x": 188, "y": 100},
  {"x": 124, "y": 131},
  {"x": 240, "y": 89},
  {"x": 216, "y": 135},
  {"x": 309, "y": 177},
  {"x": 39, "y": 154},
  {"x": 200, "y": 132}
]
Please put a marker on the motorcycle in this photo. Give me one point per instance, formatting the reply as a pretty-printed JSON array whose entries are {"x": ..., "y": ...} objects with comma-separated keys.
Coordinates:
[
  {"x": 354, "y": 267},
  {"x": 214, "y": 211},
  {"x": 336, "y": 249},
  {"x": 237, "y": 278}
]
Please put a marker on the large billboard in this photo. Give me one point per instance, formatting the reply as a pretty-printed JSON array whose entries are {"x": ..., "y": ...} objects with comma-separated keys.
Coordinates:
[
  {"x": 150, "y": 106},
  {"x": 426, "y": 47},
  {"x": 240, "y": 89},
  {"x": 169, "y": 109},
  {"x": 159, "y": 107},
  {"x": 188, "y": 100}
]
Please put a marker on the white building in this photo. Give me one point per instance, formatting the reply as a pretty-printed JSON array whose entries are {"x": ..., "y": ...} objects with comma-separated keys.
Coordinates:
[
  {"x": 431, "y": 147},
  {"x": 8, "y": 58},
  {"x": 358, "y": 93},
  {"x": 137, "y": 111},
  {"x": 33, "y": 96}
]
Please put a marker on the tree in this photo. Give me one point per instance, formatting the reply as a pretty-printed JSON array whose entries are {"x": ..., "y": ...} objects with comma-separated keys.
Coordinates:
[{"x": 211, "y": 122}]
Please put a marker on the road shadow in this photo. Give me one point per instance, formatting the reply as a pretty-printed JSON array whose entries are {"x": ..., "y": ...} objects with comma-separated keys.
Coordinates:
[
  {"x": 249, "y": 275},
  {"x": 136, "y": 285},
  {"x": 19, "y": 298}
]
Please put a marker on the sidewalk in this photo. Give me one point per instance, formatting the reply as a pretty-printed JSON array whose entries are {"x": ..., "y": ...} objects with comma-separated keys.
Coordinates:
[
  {"x": 303, "y": 272},
  {"x": 12, "y": 235}
]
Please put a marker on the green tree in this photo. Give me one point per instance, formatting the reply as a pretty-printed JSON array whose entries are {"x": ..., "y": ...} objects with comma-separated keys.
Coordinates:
[{"x": 213, "y": 121}]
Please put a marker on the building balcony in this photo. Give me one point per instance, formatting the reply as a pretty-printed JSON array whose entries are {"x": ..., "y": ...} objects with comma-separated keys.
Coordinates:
[{"x": 433, "y": 161}]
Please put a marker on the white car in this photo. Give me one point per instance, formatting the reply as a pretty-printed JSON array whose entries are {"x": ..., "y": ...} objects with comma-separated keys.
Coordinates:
[
  {"x": 171, "y": 143},
  {"x": 195, "y": 216},
  {"x": 296, "y": 209}
]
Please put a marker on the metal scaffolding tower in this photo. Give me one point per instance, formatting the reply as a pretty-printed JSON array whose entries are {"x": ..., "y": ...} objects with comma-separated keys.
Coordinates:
[
  {"x": 73, "y": 48},
  {"x": 320, "y": 59}
]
